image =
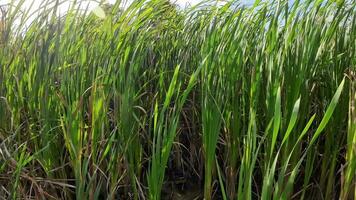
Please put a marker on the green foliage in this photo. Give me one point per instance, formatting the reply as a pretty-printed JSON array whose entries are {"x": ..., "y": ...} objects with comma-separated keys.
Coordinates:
[{"x": 150, "y": 101}]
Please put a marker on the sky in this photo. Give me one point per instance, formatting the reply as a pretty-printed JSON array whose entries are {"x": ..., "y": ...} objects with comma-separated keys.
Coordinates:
[
  {"x": 92, "y": 4},
  {"x": 33, "y": 5}
]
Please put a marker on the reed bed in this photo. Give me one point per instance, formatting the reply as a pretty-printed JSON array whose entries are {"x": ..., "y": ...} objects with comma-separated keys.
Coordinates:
[{"x": 151, "y": 101}]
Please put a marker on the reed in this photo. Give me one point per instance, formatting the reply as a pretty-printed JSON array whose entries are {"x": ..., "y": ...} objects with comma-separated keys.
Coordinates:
[{"x": 152, "y": 101}]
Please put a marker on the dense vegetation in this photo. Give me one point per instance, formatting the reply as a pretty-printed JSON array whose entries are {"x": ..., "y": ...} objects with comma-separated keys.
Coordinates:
[{"x": 156, "y": 102}]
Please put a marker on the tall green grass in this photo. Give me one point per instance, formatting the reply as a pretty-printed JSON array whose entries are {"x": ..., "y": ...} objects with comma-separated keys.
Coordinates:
[{"x": 151, "y": 101}]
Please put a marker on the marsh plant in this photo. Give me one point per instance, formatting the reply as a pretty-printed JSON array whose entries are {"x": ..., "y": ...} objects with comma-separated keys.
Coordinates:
[{"x": 146, "y": 100}]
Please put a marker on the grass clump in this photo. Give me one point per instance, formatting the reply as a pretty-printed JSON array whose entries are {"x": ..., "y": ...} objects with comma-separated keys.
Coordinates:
[{"x": 150, "y": 101}]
